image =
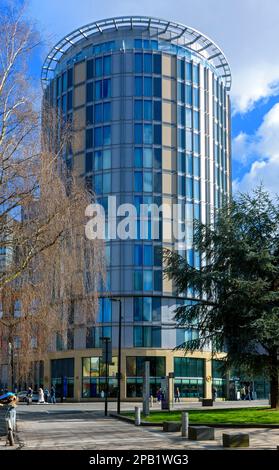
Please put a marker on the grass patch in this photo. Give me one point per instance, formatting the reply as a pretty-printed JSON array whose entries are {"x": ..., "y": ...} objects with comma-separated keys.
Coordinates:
[{"x": 226, "y": 416}]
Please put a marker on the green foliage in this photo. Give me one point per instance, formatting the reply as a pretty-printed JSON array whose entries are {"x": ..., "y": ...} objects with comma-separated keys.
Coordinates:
[
  {"x": 238, "y": 309},
  {"x": 221, "y": 416}
]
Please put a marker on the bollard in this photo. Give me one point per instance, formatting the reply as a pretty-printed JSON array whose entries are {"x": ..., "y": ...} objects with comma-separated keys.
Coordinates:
[
  {"x": 151, "y": 401},
  {"x": 137, "y": 416},
  {"x": 185, "y": 424}
]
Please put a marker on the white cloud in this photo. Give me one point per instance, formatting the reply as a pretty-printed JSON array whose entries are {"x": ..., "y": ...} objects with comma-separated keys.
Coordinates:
[
  {"x": 241, "y": 148},
  {"x": 252, "y": 83},
  {"x": 247, "y": 31},
  {"x": 264, "y": 144}
]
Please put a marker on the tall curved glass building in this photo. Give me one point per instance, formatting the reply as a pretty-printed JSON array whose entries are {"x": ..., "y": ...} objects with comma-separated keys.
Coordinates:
[{"x": 149, "y": 103}]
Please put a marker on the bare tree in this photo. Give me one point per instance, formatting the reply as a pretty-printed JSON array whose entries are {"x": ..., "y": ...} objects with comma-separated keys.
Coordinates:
[{"x": 48, "y": 268}]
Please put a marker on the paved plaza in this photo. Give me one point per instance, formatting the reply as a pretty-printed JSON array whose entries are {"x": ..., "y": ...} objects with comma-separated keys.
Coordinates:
[{"x": 83, "y": 426}]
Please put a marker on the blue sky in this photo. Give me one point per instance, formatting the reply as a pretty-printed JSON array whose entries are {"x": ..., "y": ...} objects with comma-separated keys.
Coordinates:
[{"x": 246, "y": 30}]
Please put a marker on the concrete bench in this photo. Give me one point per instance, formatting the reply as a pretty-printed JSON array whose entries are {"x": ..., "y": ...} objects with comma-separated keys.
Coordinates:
[
  {"x": 201, "y": 433},
  {"x": 171, "y": 426},
  {"x": 207, "y": 402},
  {"x": 236, "y": 440}
]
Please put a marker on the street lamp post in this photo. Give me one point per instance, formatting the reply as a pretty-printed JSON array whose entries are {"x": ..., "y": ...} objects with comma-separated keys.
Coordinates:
[{"x": 119, "y": 353}]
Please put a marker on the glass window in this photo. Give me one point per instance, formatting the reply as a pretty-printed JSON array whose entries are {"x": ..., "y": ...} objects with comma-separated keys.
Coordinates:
[
  {"x": 196, "y": 101},
  {"x": 157, "y": 64},
  {"x": 138, "y": 43},
  {"x": 106, "y": 314},
  {"x": 157, "y": 110},
  {"x": 89, "y": 138},
  {"x": 106, "y": 183},
  {"x": 98, "y": 160},
  {"x": 137, "y": 308},
  {"x": 64, "y": 103},
  {"x": 138, "y": 157},
  {"x": 157, "y": 158},
  {"x": 107, "y": 65},
  {"x": 181, "y": 92},
  {"x": 189, "y": 163},
  {"x": 69, "y": 100},
  {"x": 197, "y": 189},
  {"x": 197, "y": 211},
  {"x": 196, "y": 143},
  {"x": 138, "y": 110},
  {"x": 190, "y": 257},
  {"x": 98, "y": 90},
  {"x": 70, "y": 77},
  {"x": 138, "y": 62},
  {"x": 107, "y": 112},
  {"x": 156, "y": 309},
  {"x": 147, "y": 280},
  {"x": 107, "y": 135},
  {"x": 138, "y": 280},
  {"x": 89, "y": 69},
  {"x": 106, "y": 88},
  {"x": 147, "y": 63},
  {"x": 98, "y": 136},
  {"x": 147, "y": 181},
  {"x": 181, "y": 138},
  {"x": 181, "y": 185},
  {"x": 189, "y": 188},
  {"x": 158, "y": 280},
  {"x": 147, "y": 134},
  {"x": 188, "y": 117},
  {"x": 138, "y": 133},
  {"x": 106, "y": 159},
  {"x": 138, "y": 86},
  {"x": 147, "y": 309},
  {"x": 157, "y": 134},
  {"x": 147, "y": 86},
  {"x": 138, "y": 336},
  {"x": 181, "y": 115},
  {"x": 196, "y": 120},
  {"x": 88, "y": 162},
  {"x": 138, "y": 255},
  {"x": 147, "y": 110},
  {"x": 189, "y": 71},
  {"x": 181, "y": 69},
  {"x": 98, "y": 184},
  {"x": 181, "y": 162},
  {"x": 148, "y": 255},
  {"x": 189, "y": 144},
  {"x": 157, "y": 87},
  {"x": 89, "y": 92},
  {"x": 156, "y": 337},
  {"x": 138, "y": 181},
  {"x": 89, "y": 115},
  {"x": 189, "y": 95},
  {"x": 196, "y": 74},
  {"x": 147, "y": 157},
  {"x": 99, "y": 67},
  {"x": 196, "y": 166},
  {"x": 58, "y": 86}
]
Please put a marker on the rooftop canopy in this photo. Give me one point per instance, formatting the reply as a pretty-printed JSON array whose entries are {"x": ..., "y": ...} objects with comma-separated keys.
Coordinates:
[{"x": 167, "y": 30}]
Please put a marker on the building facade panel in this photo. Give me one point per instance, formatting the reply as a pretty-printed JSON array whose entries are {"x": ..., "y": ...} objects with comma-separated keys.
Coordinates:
[{"x": 152, "y": 119}]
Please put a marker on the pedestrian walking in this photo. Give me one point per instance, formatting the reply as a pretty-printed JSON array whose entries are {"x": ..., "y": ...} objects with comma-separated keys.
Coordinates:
[
  {"x": 41, "y": 396},
  {"x": 46, "y": 395},
  {"x": 214, "y": 393},
  {"x": 52, "y": 394},
  {"x": 242, "y": 393},
  {"x": 177, "y": 395},
  {"x": 29, "y": 396}
]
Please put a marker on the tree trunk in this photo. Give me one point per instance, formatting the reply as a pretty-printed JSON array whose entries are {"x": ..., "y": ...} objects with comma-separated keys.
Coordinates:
[{"x": 274, "y": 388}]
